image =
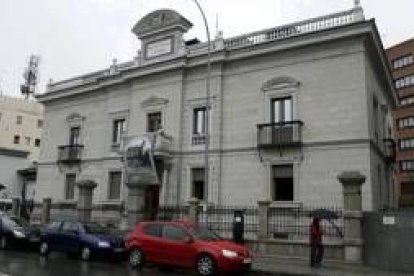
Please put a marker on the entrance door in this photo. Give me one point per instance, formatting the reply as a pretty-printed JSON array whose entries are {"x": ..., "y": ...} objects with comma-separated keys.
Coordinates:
[{"x": 152, "y": 199}]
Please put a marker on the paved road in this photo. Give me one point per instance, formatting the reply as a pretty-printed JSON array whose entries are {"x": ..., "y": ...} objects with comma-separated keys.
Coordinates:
[{"x": 18, "y": 263}]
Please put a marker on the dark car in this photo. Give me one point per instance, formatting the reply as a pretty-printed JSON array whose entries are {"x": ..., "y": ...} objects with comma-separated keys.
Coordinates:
[
  {"x": 85, "y": 240},
  {"x": 185, "y": 245},
  {"x": 12, "y": 233},
  {"x": 32, "y": 231}
]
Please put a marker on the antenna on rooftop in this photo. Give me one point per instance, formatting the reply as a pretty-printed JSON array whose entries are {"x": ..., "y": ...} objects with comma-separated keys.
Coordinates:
[{"x": 30, "y": 76}]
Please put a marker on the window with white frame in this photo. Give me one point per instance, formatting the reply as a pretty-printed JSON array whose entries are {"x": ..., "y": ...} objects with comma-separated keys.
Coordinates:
[
  {"x": 406, "y": 144},
  {"x": 407, "y": 101},
  {"x": 403, "y": 61},
  {"x": 406, "y": 122},
  {"x": 404, "y": 82},
  {"x": 199, "y": 125},
  {"x": 118, "y": 129},
  {"x": 282, "y": 110},
  {"x": 115, "y": 180},
  {"x": 407, "y": 165}
]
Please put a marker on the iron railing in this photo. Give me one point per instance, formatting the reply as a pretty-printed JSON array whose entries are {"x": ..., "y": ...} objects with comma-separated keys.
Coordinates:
[
  {"x": 220, "y": 219},
  {"x": 279, "y": 134},
  {"x": 293, "y": 223},
  {"x": 70, "y": 153}
]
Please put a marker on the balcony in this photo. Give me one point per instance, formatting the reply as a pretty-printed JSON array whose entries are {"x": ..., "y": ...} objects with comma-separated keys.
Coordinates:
[
  {"x": 283, "y": 134},
  {"x": 70, "y": 154},
  {"x": 389, "y": 150}
]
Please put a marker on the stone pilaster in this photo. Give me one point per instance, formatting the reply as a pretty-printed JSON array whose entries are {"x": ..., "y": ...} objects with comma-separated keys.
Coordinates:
[
  {"x": 47, "y": 202},
  {"x": 263, "y": 219},
  {"x": 84, "y": 206},
  {"x": 193, "y": 211},
  {"x": 352, "y": 182},
  {"x": 136, "y": 201}
]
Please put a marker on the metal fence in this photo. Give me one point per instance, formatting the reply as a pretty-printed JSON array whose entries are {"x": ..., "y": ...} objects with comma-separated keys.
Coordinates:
[
  {"x": 220, "y": 219},
  {"x": 169, "y": 212},
  {"x": 283, "y": 223},
  {"x": 294, "y": 223}
]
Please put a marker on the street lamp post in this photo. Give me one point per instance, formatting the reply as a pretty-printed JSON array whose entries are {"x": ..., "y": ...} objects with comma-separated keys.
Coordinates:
[{"x": 207, "y": 112}]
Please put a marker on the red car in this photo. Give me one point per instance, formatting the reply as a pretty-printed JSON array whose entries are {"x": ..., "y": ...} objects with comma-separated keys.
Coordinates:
[{"x": 183, "y": 244}]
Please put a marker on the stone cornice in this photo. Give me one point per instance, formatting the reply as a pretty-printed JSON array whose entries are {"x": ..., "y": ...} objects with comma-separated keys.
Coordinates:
[{"x": 220, "y": 55}]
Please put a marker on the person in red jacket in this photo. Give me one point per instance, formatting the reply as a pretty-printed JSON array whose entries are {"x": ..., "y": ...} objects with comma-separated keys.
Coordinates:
[{"x": 315, "y": 233}]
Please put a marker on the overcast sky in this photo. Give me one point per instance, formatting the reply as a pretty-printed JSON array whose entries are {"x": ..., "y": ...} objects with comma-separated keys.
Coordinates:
[{"x": 74, "y": 37}]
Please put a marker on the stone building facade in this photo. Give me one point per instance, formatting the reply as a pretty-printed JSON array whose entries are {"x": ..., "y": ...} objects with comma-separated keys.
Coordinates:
[{"x": 291, "y": 108}]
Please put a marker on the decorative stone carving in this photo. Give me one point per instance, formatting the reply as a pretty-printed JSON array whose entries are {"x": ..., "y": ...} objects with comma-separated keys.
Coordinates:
[
  {"x": 154, "y": 101},
  {"x": 160, "y": 19},
  {"x": 280, "y": 82}
]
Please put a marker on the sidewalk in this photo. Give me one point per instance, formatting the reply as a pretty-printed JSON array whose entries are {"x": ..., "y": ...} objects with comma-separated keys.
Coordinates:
[{"x": 299, "y": 266}]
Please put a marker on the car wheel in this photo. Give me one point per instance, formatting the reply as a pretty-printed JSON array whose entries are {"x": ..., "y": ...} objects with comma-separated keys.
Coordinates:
[
  {"x": 3, "y": 242},
  {"x": 206, "y": 266},
  {"x": 136, "y": 258},
  {"x": 44, "y": 248},
  {"x": 85, "y": 253}
]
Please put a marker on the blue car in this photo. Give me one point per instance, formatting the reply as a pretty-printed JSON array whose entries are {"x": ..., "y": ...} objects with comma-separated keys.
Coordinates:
[{"x": 86, "y": 240}]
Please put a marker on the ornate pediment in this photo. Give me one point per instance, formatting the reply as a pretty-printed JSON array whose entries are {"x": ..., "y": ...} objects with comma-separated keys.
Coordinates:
[
  {"x": 74, "y": 117},
  {"x": 159, "y": 20},
  {"x": 154, "y": 101},
  {"x": 280, "y": 82}
]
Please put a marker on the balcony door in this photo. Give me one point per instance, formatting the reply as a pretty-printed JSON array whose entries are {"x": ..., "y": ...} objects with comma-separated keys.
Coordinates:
[
  {"x": 74, "y": 136},
  {"x": 282, "y": 117},
  {"x": 282, "y": 110}
]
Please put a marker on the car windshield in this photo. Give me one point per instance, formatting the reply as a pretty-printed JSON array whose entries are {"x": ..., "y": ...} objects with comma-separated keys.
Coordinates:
[
  {"x": 204, "y": 234},
  {"x": 11, "y": 223},
  {"x": 20, "y": 222},
  {"x": 94, "y": 228}
]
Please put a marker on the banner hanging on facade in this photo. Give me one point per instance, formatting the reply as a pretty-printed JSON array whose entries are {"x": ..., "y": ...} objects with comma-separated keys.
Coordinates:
[{"x": 138, "y": 158}]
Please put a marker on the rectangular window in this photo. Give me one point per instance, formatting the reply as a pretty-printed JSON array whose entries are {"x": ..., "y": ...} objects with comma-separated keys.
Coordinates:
[
  {"x": 70, "y": 184},
  {"x": 39, "y": 123},
  {"x": 37, "y": 142},
  {"x": 406, "y": 144},
  {"x": 19, "y": 120},
  {"x": 282, "y": 110},
  {"x": 406, "y": 122},
  {"x": 404, "y": 82},
  {"x": 153, "y": 121},
  {"x": 199, "y": 120},
  {"x": 407, "y": 101},
  {"x": 403, "y": 61},
  {"x": 115, "y": 179},
  {"x": 16, "y": 139},
  {"x": 282, "y": 183},
  {"x": 74, "y": 136},
  {"x": 199, "y": 126},
  {"x": 27, "y": 141},
  {"x": 118, "y": 129},
  {"x": 197, "y": 176}
]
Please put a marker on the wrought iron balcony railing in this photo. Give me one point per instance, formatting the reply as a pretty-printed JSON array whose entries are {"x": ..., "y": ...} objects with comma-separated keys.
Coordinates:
[
  {"x": 70, "y": 153},
  {"x": 279, "y": 134}
]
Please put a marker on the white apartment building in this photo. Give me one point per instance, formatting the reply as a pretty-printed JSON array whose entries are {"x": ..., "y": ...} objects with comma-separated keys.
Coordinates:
[
  {"x": 291, "y": 108},
  {"x": 21, "y": 125}
]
